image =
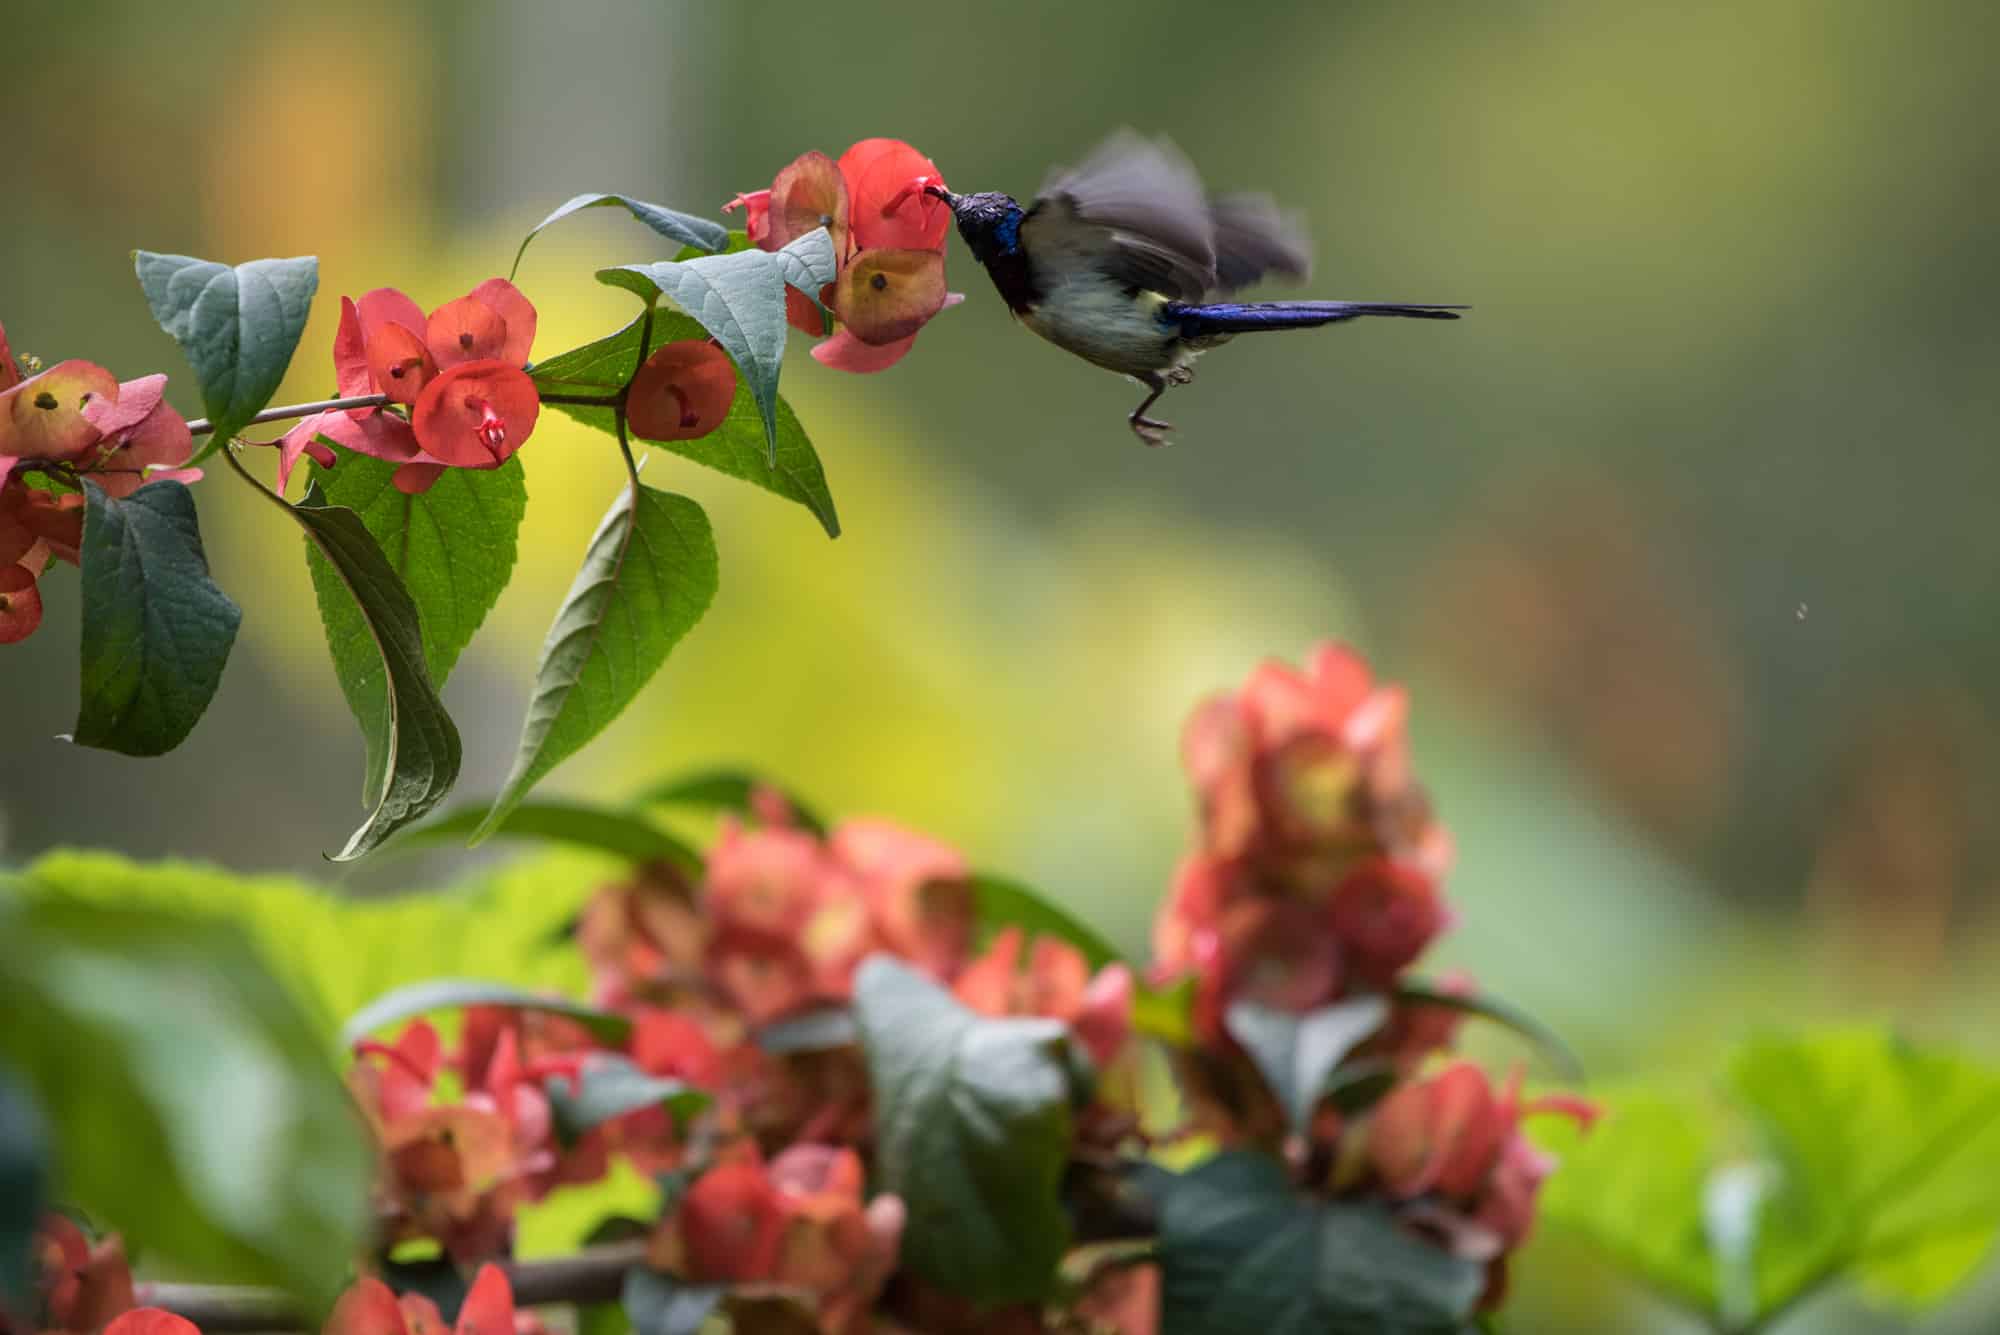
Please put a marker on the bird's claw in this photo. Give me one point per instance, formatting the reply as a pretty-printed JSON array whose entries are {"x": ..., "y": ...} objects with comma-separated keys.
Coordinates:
[
  {"x": 1151, "y": 430},
  {"x": 1181, "y": 375}
]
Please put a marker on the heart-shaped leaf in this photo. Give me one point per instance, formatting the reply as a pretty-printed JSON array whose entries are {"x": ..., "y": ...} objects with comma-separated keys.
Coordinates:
[
  {"x": 1240, "y": 1251},
  {"x": 199, "y": 1115},
  {"x": 725, "y": 790},
  {"x": 736, "y": 447},
  {"x": 439, "y": 994},
  {"x": 647, "y": 578},
  {"x": 740, "y": 300},
  {"x": 669, "y": 223},
  {"x": 453, "y": 549},
  {"x": 156, "y": 629},
  {"x": 238, "y": 327},
  {"x": 972, "y": 1131},
  {"x": 417, "y": 763},
  {"x": 810, "y": 1031},
  {"x": 1296, "y": 1053},
  {"x": 611, "y": 1086}
]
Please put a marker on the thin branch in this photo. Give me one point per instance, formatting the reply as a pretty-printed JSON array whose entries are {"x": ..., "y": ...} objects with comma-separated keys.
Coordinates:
[
  {"x": 201, "y": 426},
  {"x": 594, "y": 1275}
]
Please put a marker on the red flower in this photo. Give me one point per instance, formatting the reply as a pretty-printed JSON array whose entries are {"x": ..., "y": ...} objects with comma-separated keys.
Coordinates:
[
  {"x": 682, "y": 392},
  {"x": 82, "y": 1287},
  {"x": 1384, "y": 914},
  {"x": 20, "y": 604},
  {"x": 370, "y": 1307},
  {"x": 457, "y": 370},
  {"x": 1056, "y": 983},
  {"x": 888, "y": 241},
  {"x": 151, "y": 1321}
]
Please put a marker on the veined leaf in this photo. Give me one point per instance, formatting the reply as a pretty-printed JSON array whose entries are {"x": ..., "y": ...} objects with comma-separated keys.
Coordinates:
[
  {"x": 452, "y": 547},
  {"x": 238, "y": 327},
  {"x": 647, "y": 578},
  {"x": 670, "y": 223},
  {"x": 735, "y": 448},
  {"x": 156, "y": 629},
  {"x": 740, "y": 300}
]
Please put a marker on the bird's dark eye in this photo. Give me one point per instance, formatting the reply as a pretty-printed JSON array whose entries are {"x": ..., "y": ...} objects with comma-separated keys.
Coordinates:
[{"x": 879, "y": 281}]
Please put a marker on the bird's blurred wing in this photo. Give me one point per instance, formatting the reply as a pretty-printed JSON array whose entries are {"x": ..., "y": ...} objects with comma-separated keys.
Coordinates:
[
  {"x": 1252, "y": 238},
  {"x": 1148, "y": 211}
]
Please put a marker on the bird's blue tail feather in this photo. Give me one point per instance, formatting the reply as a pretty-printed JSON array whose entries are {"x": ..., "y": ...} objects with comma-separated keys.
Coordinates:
[{"x": 1242, "y": 317}]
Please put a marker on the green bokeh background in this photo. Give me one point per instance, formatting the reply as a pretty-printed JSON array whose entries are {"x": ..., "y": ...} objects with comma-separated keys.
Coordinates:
[{"x": 1682, "y": 540}]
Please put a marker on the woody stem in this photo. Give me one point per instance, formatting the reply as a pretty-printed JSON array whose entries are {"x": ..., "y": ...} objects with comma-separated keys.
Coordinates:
[{"x": 201, "y": 426}]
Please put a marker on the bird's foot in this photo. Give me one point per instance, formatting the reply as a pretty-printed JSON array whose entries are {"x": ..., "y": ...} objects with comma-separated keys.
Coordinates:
[
  {"x": 1150, "y": 429},
  {"x": 1180, "y": 375}
]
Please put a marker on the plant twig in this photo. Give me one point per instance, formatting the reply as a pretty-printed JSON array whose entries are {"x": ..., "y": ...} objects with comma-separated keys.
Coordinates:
[
  {"x": 201, "y": 426},
  {"x": 594, "y": 1275}
]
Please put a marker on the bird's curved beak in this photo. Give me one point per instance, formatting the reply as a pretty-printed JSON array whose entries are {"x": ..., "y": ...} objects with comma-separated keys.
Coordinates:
[{"x": 939, "y": 192}]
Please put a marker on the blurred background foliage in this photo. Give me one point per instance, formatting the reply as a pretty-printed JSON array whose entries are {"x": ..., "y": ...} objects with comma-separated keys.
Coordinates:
[{"x": 1682, "y": 539}]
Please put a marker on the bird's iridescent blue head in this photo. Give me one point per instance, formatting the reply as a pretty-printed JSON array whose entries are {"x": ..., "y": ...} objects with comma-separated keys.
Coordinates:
[{"x": 990, "y": 222}]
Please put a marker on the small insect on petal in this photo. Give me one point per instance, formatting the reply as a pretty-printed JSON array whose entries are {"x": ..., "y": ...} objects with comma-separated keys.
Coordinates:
[
  {"x": 884, "y": 295},
  {"x": 476, "y": 414},
  {"x": 682, "y": 392}
]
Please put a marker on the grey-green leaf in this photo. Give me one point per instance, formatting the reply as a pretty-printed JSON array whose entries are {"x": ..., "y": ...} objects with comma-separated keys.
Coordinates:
[
  {"x": 418, "y": 761},
  {"x": 972, "y": 1131},
  {"x": 647, "y": 578},
  {"x": 669, "y": 223},
  {"x": 740, "y": 300},
  {"x": 156, "y": 629},
  {"x": 1296, "y": 1053},
  {"x": 658, "y": 1303},
  {"x": 736, "y": 447},
  {"x": 438, "y": 994},
  {"x": 238, "y": 327},
  {"x": 809, "y": 264},
  {"x": 453, "y": 548},
  {"x": 610, "y": 1086},
  {"x": 1240, "y": 1252},
  {"x": 197, "y": 1111}
]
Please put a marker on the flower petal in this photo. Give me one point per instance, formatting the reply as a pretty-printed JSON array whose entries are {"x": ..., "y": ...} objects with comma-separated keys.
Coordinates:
[
  {"x": 158, "y": 443},
  {"x": 20, "y": 604},
  {"x": 10, "y": 371},
  {"x": 417, "y": 478},
  {"x": 845, "y": 352},
  {"x": 807, "y": 194},
  {"x": 885, "y": 295},
  {"x": 682, "y": 392},
  {"x": 514, "y": 307},
  {"x": 489, "y": 1307},
  {"x": 400, "y": 362},
  {"x": 476, "y": 414},
  {"x": 885, "y": 179},
  {"x": 466, "y": 330},
  {"x": 368, "y": 1307},
  {"x": 757, "y": 215},
  {"x": 350, "y": 354},
  {"x": 43, "y": 417},
  {"x": 151, "y": 1321},
  {"x": 387, "y": 306},
  {"x": 136, "y": 398}
]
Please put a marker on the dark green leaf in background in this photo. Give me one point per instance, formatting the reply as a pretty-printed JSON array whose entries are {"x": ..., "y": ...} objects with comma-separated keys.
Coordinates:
[
  {"x": 611, "y": 1086},
  {"x": 1415, "y": 992},
  {"x": 238, "y": 327},
  {"x": 1240, "y": 1251},
  {"x": 685, "y": 228},
  {"x": 972, "y": 1131},
  {"x": 156, "y": 629},
  {"x": 621, "y": 833},
  {"x": 25, "y": 1153},
  {"x": 198, "y": 1112},
  {"x": 1000, "y": 902},
  {"x": 647, "y": 578},
  {"x": 439, "y": 994},
  {"x": 736, "y": 447},
  {"x": 1296, "y": 1053},
  {"x": 453, "y": 548},
  {"x": 657, "y": 1303},
  {"x": 417, "y": 763},
  {"x": 725, "y": 790}
]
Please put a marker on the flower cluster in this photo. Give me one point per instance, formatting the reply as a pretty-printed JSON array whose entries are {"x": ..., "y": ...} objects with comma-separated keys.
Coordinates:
[
  {"x": 458, "y": 394},
  {"x": 1316, "y": 879},
  {"x": 888, "y": 240},
  {"x": 71, "y": 421}
]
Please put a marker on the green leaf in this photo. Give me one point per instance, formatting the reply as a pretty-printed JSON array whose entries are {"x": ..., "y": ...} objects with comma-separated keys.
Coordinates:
[
  {"x": 440, "y": 994},
  {"x": 810, "y": 1031},
  {"x": 417, "y": 762},
  {"x": 725, "y": 790},
  {"x": 1165, "y": 1013},
  {"x": 24, "y": 1188},
  {"x": 611, "y": 1086},
  {"x": 669, "y": 223},
  {"x": 735, "y": 448},
  {"x": 972, "y": 1131},
  {"x": 620, "y": 833},
  {"x": 452, "y": 547},
  {"x": 238, "y": 327},
  {"x": 1240, "y": 1252},
  {"x": 647, "y": 578},
  {"x": 1007, "y": 903},
  {"x": 199, "y": 1115},
  {"x": 738, "y": 240},
  {"x": 740, "y": 300},
  {"x": 809, "y": 264},
  {"x": 1296, "y": 1053},
  {"x": 1887, "y": 1161},
  {"x": 658, "y": 1303},
  {"x": 1413, "y": 991},
  {"x": 156, "y": 629}
]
